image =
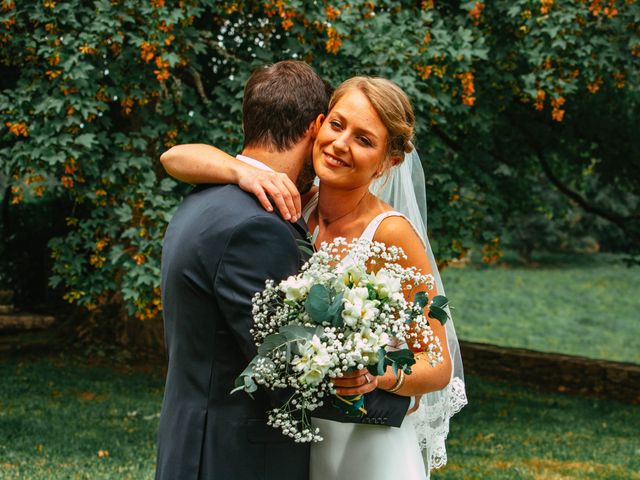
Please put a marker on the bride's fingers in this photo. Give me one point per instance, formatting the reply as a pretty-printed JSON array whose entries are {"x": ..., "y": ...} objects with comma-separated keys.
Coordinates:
[
  {"x": 349, "y": 382},
  {"x": 282, "y": 198},
  {"x": 359, "y": 390},
  {"x": 354, "y": 373},
  {"x": 261, "y": 195},
  {"x": 285, "y": 195},
  {"x": 268, "y": 184},
  {"x": 295, "y": 205}
]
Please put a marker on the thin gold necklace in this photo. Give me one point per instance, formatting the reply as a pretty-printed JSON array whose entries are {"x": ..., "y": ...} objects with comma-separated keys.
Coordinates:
[{"x": 329, "y": 222}]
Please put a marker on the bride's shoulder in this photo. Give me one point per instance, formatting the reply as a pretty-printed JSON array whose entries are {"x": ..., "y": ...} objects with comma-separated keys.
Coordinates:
[
  {"x": 394, "y": 226},
  {"x": 397, "y": 230}
]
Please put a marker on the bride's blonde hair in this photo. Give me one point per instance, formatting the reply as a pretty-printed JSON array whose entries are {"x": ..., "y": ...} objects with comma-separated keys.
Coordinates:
[{"x": 393, "y": 106}]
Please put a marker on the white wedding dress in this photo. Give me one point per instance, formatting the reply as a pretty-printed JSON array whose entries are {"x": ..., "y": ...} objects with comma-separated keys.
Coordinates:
[{"x": 372, "y": 452}]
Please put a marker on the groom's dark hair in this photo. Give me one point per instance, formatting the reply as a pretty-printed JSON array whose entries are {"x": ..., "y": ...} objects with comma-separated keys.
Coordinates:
[{"x": 280, "y": 102}]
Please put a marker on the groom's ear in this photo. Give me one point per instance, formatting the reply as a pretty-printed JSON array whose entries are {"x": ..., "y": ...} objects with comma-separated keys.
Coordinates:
[{"x": 316, "y": 124}]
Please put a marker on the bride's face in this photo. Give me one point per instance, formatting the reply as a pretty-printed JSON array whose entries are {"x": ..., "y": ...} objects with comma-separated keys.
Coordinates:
[{"x": 351, "y": 145}]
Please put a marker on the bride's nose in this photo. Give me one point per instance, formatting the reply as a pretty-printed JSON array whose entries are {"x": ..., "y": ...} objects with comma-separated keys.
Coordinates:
[{"x": 341, "y": 142}]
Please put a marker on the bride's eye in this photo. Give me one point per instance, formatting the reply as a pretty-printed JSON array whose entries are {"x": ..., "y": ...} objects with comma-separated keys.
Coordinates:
[
  {"x": 365, "y": 141},
  {"x": 335, "y": 124}
]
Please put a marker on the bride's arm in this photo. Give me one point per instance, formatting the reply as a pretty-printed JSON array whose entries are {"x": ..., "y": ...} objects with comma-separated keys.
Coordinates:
[
  {"x": 424, "y": 377},
  {"x": 199, "y": 163}
]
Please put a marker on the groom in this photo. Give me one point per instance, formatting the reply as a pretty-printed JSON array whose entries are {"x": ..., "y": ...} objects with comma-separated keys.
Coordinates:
[{"x": 219, "y": 249}]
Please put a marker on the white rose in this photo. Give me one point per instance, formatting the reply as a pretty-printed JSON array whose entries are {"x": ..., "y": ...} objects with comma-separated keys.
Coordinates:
[
  {"x": 351, "y": 312},
  {"x": 314, "y": 361},
  {"x": 312, "y": 377},
  {"x": 353, "y": 274},
  {"x": 386, "y": 284},
  {"x": 295, "y": 288},
  {"x": 358, "y": 308}
]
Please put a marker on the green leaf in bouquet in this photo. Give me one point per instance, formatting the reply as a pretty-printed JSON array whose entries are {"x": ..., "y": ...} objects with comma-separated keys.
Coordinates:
[
  {"x": 297, "y": 332},
  {"x": 437, "y": 309},
  {"x": 245, "y": 381},
  {"x": 422, "y": 299},
  {"x": 294, "y": 334},
  {"x": 401, "y": 359},
  {"x": 440, "y": 301},
  {"x": 318, "y": 303},
  {"x": 270, "y": 342},
  {"x": 381, "y": 362},
  {"x": 335, "y": 311},
  {"x": 322, "y": 306},
  {"x": 319, "y": 331},
  {"x": 304, "y": 246},
  {"x": 314, "y": 236},
  {"x": 372, "y": 292}
]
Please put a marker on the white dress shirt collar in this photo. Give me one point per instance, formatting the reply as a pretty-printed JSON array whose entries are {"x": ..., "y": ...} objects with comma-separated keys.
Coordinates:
[{"x": 253, "y": 162}]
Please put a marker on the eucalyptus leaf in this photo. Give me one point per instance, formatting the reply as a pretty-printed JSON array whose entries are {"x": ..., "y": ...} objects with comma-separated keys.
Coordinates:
[
  {"x": 440, "y": 301},
  {"x": 438, "y": 313},
  {"x": 245, "y": 381},
  {"x": 335, "y": 311},
  {"x": 296, "y": 332},
  {"x": 314, "y": 236},
  {"x": 381, "y": 362},
  {"x": 270, "y": 342},
  {"x": 317, "y": 303},
  {"x": 372, "y": 292},
  {"x": 401, "y": 360},
  {"x": 304, "y": 246},
  {"x": 422, "y": 299}
]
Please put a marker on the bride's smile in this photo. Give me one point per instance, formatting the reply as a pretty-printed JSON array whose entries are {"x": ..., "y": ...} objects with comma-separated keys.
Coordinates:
[{"x": 334, "y": 161}]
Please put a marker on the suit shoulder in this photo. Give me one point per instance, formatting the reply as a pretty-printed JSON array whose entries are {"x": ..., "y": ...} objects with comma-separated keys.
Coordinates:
[{"x": 226, "y": 192}]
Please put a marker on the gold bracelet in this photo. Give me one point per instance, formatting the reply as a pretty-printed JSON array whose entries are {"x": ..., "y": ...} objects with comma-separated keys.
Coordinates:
[{"x": 398, "y": 384}]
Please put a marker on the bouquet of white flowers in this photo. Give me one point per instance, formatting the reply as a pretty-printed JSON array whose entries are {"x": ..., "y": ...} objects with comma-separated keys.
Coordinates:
[{"x": 344, "y": 310}]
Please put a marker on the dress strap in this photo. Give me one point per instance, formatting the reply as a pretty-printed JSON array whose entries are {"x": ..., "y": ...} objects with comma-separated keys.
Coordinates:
[
  {"x": 371, "y": 229},
  {"x": 310, "y": 206}
]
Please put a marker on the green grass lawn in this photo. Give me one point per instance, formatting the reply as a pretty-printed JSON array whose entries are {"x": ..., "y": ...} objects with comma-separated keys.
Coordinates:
[
  {"x": 57, "y": 415},
  {"x": 582, "y": 305}
]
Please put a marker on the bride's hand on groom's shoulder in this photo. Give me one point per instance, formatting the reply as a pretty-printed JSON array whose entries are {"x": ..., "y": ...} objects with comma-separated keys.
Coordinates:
[
  {"x": 277, "y": 186},
  {"x": 357, "y": 382}
]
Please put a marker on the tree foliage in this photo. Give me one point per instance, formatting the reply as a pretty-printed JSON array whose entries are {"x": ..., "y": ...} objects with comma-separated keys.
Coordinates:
[{"x": 505, "y": 93}]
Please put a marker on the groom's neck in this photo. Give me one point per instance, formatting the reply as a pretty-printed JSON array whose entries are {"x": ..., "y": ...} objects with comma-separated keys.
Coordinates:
[{"x": 288, "y": 161}]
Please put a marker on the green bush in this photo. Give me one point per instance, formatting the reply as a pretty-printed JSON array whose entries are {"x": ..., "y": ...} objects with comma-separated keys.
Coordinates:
[{"x": 92, "y": 92}]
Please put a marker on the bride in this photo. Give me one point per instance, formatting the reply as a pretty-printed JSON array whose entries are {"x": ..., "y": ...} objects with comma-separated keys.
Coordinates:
[{"x": 362, "y": 154}]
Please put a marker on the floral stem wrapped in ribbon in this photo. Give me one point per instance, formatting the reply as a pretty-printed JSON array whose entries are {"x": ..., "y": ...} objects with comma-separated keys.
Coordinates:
[{"x": 344, "y": 310}]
